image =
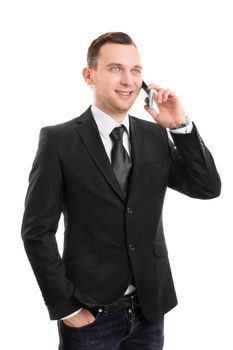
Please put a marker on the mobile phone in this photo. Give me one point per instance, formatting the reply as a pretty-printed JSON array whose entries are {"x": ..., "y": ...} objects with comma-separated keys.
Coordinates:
[{"x": 149, "y": 94}]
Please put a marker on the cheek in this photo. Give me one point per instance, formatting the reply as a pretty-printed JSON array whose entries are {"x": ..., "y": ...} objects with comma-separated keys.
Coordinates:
[
  {"x": 99, "y": 86},
  {"x": 104, "y": 82},
  {"x": 139, "y": 82}
]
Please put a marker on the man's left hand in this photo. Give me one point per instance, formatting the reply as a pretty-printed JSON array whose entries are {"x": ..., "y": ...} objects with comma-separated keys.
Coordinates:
[{"x": 171, "y": 112}]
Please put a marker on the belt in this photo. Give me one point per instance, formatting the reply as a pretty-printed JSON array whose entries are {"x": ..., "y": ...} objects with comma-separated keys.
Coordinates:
[{"x": 129, "y": 300}]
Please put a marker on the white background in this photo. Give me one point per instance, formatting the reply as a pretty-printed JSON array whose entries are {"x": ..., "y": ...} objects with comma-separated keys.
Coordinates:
[{"x": 185, "y": 46}]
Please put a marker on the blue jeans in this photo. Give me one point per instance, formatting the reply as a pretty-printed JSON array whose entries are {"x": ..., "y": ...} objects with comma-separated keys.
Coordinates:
[{"x": 113, "y": 329}]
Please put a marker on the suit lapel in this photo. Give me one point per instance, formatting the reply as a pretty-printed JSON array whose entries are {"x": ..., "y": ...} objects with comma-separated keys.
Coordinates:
[{"x": 87, "y": 129}]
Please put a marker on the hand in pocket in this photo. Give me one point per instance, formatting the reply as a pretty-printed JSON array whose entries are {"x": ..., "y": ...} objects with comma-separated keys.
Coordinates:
[{"x": 83, "y": 318}]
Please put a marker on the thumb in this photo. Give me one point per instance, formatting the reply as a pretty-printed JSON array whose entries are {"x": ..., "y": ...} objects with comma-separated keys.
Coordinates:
[{"x": 151, "y": 111}]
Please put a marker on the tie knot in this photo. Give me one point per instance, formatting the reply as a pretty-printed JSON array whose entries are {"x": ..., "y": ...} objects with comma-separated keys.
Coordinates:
[{"x": 117, "y": 133}]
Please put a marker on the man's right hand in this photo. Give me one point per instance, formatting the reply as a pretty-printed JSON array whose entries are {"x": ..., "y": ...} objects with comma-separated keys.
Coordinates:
[{"x": 83, "y": 318}]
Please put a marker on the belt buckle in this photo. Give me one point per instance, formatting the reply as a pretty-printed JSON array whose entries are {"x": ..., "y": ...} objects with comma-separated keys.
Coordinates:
[{"x": 133, "y": 302}]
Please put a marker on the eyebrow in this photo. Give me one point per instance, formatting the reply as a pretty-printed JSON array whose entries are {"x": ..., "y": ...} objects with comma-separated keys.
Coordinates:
[{"x": 115, "y": 64}]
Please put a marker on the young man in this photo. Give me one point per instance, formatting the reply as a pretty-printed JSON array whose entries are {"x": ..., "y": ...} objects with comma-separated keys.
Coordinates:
[{"x": 108, "y": 173}]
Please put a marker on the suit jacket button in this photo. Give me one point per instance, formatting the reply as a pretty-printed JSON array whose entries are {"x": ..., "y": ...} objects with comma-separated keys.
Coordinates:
[
  {"x": 131, "y": 247},
  {"x": 129, "y": 210}
]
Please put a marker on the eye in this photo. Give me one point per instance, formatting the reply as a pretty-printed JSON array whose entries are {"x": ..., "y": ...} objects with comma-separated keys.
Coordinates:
[
  {"x": 115, "y": 69},
  {"x": 136, "y": 71}
]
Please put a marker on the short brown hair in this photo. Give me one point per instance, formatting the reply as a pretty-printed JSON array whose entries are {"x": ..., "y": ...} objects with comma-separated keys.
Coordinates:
[{"x": 110, "y": 37}]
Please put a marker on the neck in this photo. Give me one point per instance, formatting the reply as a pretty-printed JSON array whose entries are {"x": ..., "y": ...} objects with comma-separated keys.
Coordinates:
[{"x": 117, "y": 116}]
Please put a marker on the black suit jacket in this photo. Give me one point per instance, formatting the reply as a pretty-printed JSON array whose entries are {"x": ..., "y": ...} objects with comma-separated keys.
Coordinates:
[{"x": 106, "y": 235}]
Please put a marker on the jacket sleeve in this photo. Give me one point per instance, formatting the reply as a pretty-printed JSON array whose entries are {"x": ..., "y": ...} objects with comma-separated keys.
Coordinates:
[
  {"x": 193, "y": 171},
  {"x": 43, "y": 207}
]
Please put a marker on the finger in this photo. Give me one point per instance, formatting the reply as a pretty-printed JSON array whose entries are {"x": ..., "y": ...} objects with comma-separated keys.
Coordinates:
[
  {"x": 152, "y": 111},
  {"x": 166, "y": 94},
  {"x": 154, "y": 86},
  {"x": 159, "y": 97},
  {"x": 91, "y": 319}
]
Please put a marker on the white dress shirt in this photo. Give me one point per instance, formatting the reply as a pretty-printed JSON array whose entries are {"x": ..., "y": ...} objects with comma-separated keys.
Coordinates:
[{"x": 105, "y": 125}]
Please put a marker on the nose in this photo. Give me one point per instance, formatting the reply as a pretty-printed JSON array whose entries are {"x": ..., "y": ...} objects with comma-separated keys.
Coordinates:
[{"x": 127, "y": 79}]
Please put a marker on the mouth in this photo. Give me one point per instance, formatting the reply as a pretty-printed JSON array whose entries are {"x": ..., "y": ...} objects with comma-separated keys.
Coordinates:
[{"x": 124, "y": 94}]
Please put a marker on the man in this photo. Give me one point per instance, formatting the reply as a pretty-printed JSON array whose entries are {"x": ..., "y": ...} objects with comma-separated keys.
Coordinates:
[{"x": 108, "y": 172}]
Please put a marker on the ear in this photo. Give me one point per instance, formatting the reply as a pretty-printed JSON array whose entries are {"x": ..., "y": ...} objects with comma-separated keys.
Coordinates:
[{"x": 87, "y": 75}]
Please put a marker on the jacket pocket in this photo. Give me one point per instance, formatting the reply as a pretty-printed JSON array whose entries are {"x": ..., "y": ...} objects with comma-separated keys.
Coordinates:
[
  {"x": 84, "y": 262},
  {"x": 160, "y": 248}
]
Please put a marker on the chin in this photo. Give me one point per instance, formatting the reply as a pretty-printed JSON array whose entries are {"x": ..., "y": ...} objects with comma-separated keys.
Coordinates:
[{"x": 124, "y": 107}]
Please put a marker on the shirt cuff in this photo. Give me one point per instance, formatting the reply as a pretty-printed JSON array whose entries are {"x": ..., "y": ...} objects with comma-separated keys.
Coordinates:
[
  {"x": 73, "y": 314},
  {"x": 185, "y": 130}
]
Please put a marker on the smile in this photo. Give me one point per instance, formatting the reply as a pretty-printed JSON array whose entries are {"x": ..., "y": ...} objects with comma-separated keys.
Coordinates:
[{"x": 124, "y": 93}]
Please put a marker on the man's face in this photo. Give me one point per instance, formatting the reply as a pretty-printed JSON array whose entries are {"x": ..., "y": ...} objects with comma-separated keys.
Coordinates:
[{"x": 117, "y": 80}]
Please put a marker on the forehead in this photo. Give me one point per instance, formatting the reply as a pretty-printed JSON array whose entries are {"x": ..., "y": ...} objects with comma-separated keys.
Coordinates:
[{"x": 122, "y": 54}]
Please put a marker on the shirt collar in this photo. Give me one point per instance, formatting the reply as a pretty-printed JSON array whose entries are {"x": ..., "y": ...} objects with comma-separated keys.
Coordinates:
[{"x": 105, "y": 123}]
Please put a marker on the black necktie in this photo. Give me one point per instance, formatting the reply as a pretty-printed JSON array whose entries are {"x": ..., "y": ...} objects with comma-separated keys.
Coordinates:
[{"x": 121, "y": 161}]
